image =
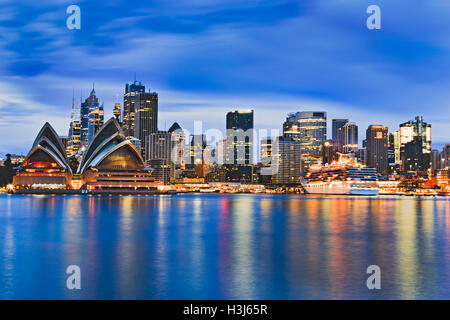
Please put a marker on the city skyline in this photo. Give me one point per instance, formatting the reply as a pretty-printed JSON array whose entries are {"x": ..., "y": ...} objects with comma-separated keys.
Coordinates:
[{"x": 193, "y": 59}]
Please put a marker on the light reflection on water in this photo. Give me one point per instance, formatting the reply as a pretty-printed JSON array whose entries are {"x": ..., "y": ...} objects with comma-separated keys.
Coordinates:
[{"x": 213, "y": 246}]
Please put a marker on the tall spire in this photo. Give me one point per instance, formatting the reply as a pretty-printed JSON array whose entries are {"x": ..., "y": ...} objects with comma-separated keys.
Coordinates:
[
  {"x": 75, "y": 109},
  {"x": 93, "y": 89}
]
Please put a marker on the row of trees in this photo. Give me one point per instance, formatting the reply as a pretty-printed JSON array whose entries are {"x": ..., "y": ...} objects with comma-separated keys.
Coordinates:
[{"x": 6, "y": 172}]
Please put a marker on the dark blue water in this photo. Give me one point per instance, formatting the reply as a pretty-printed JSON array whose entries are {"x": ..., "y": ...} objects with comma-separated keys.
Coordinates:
[{"x": 213, "y": 246}]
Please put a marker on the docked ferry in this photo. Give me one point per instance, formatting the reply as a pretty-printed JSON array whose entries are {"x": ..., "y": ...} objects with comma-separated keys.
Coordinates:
[{"x": 345, "y": 176}]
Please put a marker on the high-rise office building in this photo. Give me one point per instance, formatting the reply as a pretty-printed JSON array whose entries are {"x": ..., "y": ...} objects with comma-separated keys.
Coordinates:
[
  {"x": 289, "y": 161},
  {"x": 435, "y": 161},
  {"x": 73, "y": 144},
  {"x": 95, "y": 120},
  {"x": 159, "y": 155},
  {"x": 330, "y": 151},
  {"x": 269, "y": 159},
  {"x": 310, "y": 128},
  {"x": 377, "y": 148},
  {"x": 409, "y": 132},
  {"x": 131, "y": 90},
  {"x": 350, "y": 133},
  {"x": 444, "y": 157},
  {"x": 337, "y": 128},
  {"x": 117, "y": 112},
  {"x": 197, "y": 148},
  {"x": 413, "y": 157},
  {"x": 89, "y": 105},
  {"x": 178, "y": 141},
  {"x": 239, "y": 145},
  {"x": 145, "y": 117}
]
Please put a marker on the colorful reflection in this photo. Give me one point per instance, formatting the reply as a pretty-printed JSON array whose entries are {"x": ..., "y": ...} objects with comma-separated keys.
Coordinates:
[{"x": 223, "y": 246}]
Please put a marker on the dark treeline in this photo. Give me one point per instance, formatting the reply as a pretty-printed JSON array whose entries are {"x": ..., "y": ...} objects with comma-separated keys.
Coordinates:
[{"x": 6, "y": 172}]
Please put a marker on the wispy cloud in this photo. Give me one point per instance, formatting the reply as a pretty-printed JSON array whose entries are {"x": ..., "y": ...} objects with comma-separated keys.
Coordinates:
[{"x": 207, "y": 57}]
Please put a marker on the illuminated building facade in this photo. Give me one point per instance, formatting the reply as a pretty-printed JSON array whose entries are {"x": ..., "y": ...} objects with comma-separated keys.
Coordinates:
[
  {"x": 239, "y": 145},
  {"x": 443, "y": 177},
  {"x": 350, "y": 135},
  {"x": 46, "y": 165},
  {"x": 269, "y": 161},
  {"x": 89, "y": 105},
  {"x": 310, "y": 128},
  {"x": 117, "y": 112},
  {"x": 159, "y": 155},
  {"x": 444, "y": 157},
  {"x": 412, "y": 156},
  {"x": 131, "y": 90},
  {"x": 337, "y": 129},
  {"x": 289, "y": 162},
  {"x": 95, "y": 118},
  {"x": 178, "y": 140},
  {"x": 196, "y": 150},
  {"x": 74, "y": 140},
  {"x": 145, "y": 117},
  {"x": 413, "y": 131},
  {"x": 377, "y": 148},
  {"x": 330, "y": 151}
]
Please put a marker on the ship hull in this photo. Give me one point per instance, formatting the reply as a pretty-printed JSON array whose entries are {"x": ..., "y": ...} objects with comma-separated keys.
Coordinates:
[{"x": 344, "y": 189}]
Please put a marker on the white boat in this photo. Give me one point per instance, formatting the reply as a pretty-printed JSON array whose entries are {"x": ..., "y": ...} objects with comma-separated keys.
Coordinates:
[{"x": 342, "y": 177}]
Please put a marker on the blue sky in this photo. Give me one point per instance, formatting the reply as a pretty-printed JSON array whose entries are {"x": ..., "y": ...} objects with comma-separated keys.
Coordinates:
[{"x": 206, "y": 57}]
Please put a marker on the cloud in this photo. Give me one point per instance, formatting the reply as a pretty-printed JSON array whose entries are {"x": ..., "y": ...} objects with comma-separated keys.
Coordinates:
[{"x": 208, "y": 57}]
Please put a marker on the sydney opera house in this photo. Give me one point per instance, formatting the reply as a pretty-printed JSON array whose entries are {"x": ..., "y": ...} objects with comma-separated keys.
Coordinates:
[{"x": 110, "y": 164}]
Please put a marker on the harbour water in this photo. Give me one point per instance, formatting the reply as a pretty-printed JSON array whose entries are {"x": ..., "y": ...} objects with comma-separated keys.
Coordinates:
[{"x": 223, "y": 246}]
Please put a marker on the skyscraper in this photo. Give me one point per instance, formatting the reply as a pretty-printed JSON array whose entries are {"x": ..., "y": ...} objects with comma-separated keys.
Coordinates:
[
  {"x": 409, "y": 132},
  {"x": 90, "y": 104},
  {"x": 117, "y": 112},
  {"x": 310, "y": 128},
  {"x": 413, "y": 157},
  {"x": 159, "y": 155},
  {"x": 131, "y": 90},
  {"x": 196, "y": 150},
  {"x": 289, "y": 161},
  {"x": 337, "y": 126},
  {"x": 73, "y": 144},
  {"x": 145, "y": 117},
  {"x": 95, "y": 120},
  {"x": 350, "y": 135},
  {"x": 239, "y": 145},
  {"x": 178, "y": 141},
  {"x": 377, "y": 148}
]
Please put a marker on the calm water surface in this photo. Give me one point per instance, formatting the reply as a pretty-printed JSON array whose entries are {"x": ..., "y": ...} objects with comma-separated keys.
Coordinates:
[{"x": 214, "y": 246}]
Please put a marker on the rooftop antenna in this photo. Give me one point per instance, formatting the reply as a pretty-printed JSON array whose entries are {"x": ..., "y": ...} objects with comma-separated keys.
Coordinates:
[{"x": 135, "y": 77}]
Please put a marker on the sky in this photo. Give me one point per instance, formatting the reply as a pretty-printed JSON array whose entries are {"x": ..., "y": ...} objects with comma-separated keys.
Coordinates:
[{"x": 208, "y": 57}]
